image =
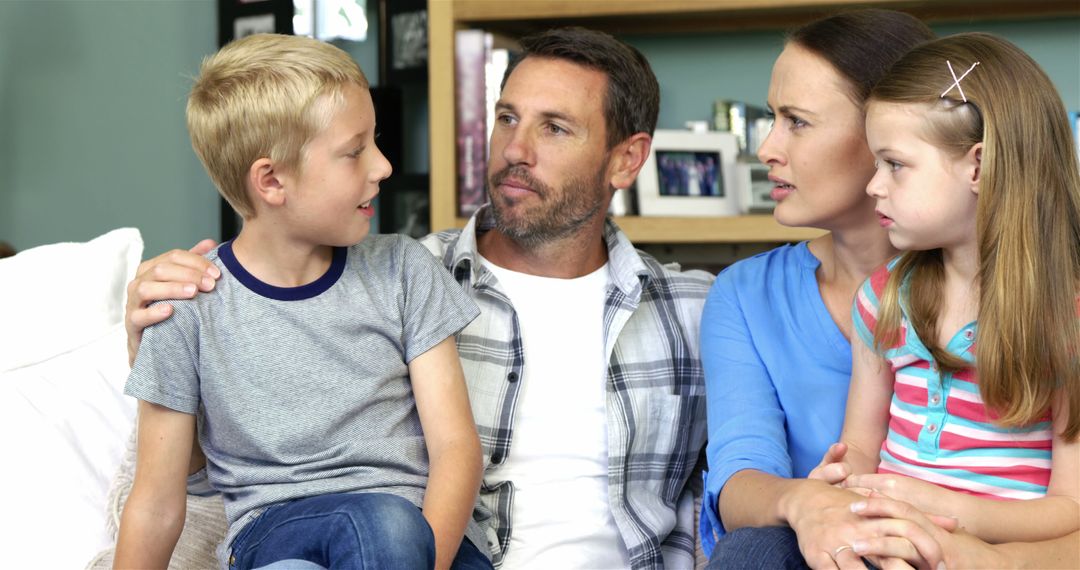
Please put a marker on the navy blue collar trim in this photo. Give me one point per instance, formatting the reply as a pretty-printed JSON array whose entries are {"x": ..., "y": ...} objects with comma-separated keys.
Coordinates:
[{"x": 313, "y": 289}]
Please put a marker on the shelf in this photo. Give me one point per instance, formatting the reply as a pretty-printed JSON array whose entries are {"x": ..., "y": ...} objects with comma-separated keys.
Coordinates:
[
  {"x": 516, "y": 17},
  {"x": 734, "y": 229},
  {"x": 666, "y": 16}
]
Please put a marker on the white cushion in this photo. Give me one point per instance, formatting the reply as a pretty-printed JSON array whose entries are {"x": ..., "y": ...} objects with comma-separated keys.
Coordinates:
[
  {"x": 56, "y": 298},
  {"x": 65, "y": 420}
]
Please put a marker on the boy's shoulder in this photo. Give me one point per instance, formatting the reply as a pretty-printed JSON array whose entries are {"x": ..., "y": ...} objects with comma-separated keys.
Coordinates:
[{"x": 391, "y": 248}]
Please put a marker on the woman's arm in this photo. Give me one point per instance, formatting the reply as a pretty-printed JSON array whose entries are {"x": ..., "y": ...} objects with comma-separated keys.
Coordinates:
[
  {"x": 750, "y": 469},
  {"x": 456, "y": 465},
  {"x": 746, "y": 423},
  {"x": 154, "y": 514}
]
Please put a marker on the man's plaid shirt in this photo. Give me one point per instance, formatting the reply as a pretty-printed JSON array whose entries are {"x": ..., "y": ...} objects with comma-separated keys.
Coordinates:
[{"x": 655, "y": 392}]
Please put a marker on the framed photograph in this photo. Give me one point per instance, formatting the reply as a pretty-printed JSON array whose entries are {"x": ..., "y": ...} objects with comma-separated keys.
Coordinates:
[
  {"x": 689, "y": 174},
  {"x": 404, "y": 41}
]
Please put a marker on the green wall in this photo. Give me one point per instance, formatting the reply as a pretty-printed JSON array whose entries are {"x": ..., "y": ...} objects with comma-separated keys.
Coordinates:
[
  {"x": 92, "y": 97},
  {"x": 695, "y": 70},
  {"x": 92, "y": 132}
]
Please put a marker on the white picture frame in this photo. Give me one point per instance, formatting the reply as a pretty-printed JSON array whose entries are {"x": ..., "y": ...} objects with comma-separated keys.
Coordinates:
[{"x": 689, "y": 174}]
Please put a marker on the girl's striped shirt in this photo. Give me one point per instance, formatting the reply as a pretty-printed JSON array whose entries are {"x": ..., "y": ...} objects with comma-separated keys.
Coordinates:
[{"x": 939, "y": 429}]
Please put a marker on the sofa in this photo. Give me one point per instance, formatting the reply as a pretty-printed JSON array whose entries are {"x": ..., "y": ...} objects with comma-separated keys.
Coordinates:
[{"x": 68, "y": 427}]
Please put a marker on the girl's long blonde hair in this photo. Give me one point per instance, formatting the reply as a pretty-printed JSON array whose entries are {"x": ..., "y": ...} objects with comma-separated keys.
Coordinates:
[{"x": 1027, "y": 218}]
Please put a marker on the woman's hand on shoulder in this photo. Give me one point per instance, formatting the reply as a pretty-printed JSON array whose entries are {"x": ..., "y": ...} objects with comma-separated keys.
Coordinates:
[{"x": 175, "y": 274}]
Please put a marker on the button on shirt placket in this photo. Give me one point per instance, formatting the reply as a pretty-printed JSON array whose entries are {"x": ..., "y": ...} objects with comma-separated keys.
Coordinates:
[{"x": 937, "y": 387}]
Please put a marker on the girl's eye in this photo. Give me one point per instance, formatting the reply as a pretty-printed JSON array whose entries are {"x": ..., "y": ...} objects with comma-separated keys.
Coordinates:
[
  {"x": 892, "y": 165},
  {"x": 356, "y": 153},
  {"x": 796, "y": 122}
]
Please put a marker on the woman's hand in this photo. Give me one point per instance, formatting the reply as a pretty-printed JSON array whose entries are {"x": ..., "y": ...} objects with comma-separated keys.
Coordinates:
[
  {"x": 175, "y": 274},
  {"x": 821, "y": 516}
]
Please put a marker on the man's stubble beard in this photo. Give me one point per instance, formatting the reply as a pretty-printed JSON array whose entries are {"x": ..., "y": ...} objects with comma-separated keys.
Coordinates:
[{"x": 560, "y": 215}]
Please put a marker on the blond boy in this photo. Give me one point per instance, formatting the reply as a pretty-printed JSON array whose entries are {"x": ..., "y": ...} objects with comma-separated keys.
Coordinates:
[{"x": 321, "y": 377}]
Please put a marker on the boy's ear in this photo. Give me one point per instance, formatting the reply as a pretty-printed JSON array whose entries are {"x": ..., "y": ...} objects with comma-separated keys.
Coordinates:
[
  {"x": 627, "y": 158},
  {"x": 974, "y": 156},
  {"x": 266, "y": 182}
]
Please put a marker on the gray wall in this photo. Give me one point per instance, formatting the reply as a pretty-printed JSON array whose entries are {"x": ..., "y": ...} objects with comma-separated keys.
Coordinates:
[{"x": 92, "y": 96}]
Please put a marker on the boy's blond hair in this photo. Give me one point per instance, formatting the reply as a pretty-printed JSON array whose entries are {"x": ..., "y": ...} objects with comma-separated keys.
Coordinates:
[{"x": 264, "y": 96}]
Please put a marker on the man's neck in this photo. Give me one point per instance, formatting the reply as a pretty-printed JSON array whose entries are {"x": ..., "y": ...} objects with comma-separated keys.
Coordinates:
[
  {"x": 567, "y": 258},
  {"x": 277, "y": 260}
]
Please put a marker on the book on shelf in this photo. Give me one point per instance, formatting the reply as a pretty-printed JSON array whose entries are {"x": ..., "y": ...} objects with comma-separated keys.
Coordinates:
[
  {"x": 470, "y": 56},
  {"x": 750, "y": 123},
  {"x": 481, "y": 61}
]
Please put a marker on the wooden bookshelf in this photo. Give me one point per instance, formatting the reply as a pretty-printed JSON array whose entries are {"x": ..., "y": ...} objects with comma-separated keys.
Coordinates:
[{"x": 517, "y": 17}]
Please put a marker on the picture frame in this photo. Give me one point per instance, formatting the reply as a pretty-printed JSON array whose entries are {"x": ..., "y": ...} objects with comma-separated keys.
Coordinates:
[
  {"x": 404, "y": 38},
  {"x": 690, "y": 174}
]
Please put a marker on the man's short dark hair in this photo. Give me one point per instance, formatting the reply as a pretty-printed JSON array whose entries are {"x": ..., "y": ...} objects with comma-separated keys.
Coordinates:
[{"x": 632, "y": 100}]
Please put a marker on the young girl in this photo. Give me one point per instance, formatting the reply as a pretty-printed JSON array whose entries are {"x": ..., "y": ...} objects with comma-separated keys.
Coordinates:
[{"x": 977, "y": 180}]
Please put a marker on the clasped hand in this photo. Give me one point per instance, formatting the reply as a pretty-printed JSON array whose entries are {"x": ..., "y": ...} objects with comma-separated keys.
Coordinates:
[{"x": 881, "y": 517}]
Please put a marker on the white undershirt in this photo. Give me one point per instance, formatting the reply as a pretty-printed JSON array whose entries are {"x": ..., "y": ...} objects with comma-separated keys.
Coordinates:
[{"x": 558, "y": 463}]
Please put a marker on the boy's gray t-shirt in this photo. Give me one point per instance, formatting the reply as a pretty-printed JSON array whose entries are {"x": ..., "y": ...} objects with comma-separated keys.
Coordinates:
[{"x": 305, "y": 391}]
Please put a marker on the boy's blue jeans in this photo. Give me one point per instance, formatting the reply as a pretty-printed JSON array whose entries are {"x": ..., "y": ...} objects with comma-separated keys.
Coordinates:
[{"x": 348, "y": 530}]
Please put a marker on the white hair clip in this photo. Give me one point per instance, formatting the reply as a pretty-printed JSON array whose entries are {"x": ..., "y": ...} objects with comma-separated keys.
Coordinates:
[{"x": 956, "y": 80}]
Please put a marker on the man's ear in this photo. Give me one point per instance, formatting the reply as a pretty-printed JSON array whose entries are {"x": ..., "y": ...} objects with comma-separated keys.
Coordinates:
[
  {"x": 627, "y": 158},
  {"x": 266, "y": 183},
  {"x": 974, "y": 156}
]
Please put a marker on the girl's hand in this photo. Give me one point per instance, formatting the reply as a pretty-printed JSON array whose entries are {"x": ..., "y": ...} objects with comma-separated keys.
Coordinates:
[
  {"x": 833, "y": 469},
  {"x": 926, "y": 497},
  {"x": 898, "y": 530}
]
